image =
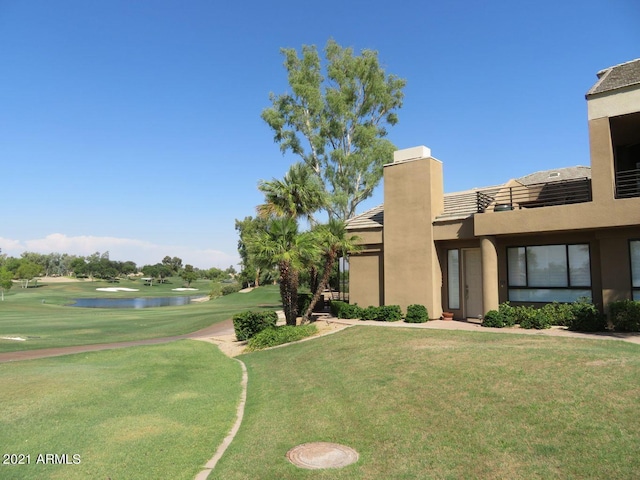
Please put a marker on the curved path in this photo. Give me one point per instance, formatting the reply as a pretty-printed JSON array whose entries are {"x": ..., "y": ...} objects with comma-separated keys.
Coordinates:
[{"x": 222, "y": 328}]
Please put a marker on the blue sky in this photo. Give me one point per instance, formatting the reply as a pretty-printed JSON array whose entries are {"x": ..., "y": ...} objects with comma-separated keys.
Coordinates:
[{"x": 134, "y": 127}]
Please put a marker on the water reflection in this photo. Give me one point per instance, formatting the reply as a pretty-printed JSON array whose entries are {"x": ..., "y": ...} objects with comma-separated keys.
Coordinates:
[{"x": 139, "y": 302}]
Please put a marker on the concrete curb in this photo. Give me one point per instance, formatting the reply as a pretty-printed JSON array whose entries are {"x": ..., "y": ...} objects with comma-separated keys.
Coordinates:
[{"x": 210, "y": 465}]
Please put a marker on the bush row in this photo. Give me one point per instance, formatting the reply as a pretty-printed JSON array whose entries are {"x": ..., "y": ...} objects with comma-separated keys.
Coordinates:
[
  {"x": 580, "y": 315},
  {"x": 625, "y": 316},
  {"x": 272, "y": 336},
  {"x": 248, "y": 324},
  {"x": 383, "y": 313}
]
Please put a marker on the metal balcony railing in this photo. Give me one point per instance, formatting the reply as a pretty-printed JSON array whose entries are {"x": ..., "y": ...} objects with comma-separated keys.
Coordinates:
[
  {"x": 628, "y": 184},
  {"x": 561, "y": 192}
]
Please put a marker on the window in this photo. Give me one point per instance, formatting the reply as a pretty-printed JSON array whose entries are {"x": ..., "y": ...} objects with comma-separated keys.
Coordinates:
[
  {"x": 634, "y": 247},
  {"x": 548, "y": 273},
  {"x": 453, "y": 279}
]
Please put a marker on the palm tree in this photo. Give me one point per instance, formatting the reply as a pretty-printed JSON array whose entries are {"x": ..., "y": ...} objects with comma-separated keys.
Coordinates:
[
  {"x": 280, "y": 244},
  {"x": 298, "y": 195},
  {"x": 333, "y": 240}
]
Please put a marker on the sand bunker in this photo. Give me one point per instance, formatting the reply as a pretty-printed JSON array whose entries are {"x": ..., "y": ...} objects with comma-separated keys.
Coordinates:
[
  {"x": 17, "y": 339},
  {"x": 183, "y": 289},
  {"x": 117, "y": 289}
]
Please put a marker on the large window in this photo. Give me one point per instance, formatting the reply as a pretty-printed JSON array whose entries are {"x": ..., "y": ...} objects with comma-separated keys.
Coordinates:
[
  {"x": 548, "y": 273},
  {"x": 453, "y": 279},
  {"x": 634, "y": 247}
]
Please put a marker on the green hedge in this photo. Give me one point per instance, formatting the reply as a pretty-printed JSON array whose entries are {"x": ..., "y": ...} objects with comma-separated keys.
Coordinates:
[
  {"x": 249, "y": 323},
  {"x": 384, "y": 313},
  {"x": 625, "y": 316},
  {"x": 580, "y": 315},
  {"x": 416, "y": 314},
  {"x": 342, "y": 309},
  {"x": 272, "y": 336}
]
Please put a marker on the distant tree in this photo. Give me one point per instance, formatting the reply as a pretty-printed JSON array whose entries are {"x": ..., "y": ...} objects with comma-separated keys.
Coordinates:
[
  {"x": 189, "y": 274},
  {"x": 128, "y": 267},
  {"x": 214, "y": 274},
  {"x": 78, "y": 266},
  {"x": 335, "y": 120},
  {"x": 27, "y": 271},
  {"x": 159, "y": 271},
  {"x": 174, "y": 264},
  {"x": 6, "y": 280}
]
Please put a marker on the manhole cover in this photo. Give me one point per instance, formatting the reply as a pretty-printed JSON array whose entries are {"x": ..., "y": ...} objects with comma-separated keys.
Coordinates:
[{"x": 318, "y": 455}]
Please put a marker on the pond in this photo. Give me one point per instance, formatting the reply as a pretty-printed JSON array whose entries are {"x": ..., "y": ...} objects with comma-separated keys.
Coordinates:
[{"x": 139, "y": 302}]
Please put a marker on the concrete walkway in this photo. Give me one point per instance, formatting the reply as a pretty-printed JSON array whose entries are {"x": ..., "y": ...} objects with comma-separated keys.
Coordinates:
[{"x": 471, "y": 326}]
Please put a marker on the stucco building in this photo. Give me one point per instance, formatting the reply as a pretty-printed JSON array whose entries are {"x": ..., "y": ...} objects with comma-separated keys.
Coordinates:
[{"x": 555, "y": 235}]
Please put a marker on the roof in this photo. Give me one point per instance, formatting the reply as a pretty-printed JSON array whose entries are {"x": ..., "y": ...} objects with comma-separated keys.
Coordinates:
[
  {"x": 460, "y": 205},
  {"x": 567, "y": 173},
  {"x": 373, "y": 218},
  {"x": 616, "y": 77}
]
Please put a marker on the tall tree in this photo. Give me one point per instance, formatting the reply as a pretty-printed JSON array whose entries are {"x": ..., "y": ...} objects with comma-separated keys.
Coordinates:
[
  {"x": 336, "y": 120},
  {"x": 334, "y": 241},
  {"x": 280, "y": 244}
]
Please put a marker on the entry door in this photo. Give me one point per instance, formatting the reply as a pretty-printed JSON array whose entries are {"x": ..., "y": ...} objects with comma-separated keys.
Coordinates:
[{"x": 472, "y": 283}]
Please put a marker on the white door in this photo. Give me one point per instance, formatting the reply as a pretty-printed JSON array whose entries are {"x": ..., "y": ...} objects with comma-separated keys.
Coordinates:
[{"x": 472, "y": 283}]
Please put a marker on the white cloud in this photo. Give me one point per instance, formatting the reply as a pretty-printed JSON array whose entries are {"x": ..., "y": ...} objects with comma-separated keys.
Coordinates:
[{"x": 121, "y": 249}]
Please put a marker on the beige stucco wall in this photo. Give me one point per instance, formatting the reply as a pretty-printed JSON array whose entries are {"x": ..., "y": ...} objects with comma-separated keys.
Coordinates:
[
  {"x": 413, "y": 195},
  {"x": 611, "y": 104},
  {"x": 366, "y": 277}
]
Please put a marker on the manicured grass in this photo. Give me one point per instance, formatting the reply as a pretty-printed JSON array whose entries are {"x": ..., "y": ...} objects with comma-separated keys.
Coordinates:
[
  {"x": 40, "y": 315},
  {"x": 435, "y": 404},
  {"x": 137, "y": 413}
]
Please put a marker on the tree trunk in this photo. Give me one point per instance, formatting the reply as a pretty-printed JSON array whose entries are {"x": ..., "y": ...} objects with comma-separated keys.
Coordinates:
[
  {"x": 328, "y": 267},
  {"x": 289, "y": 292}
]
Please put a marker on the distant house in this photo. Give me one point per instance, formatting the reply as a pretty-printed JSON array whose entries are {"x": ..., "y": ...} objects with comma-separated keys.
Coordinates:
[{"x": 555, "y": 235}]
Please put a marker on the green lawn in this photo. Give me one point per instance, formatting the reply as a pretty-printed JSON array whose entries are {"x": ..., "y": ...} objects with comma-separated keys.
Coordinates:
[
  {"x": 137, "y": 413},
  {"x": 42, "y": 316},
  {"x": 435, "y": 404}
]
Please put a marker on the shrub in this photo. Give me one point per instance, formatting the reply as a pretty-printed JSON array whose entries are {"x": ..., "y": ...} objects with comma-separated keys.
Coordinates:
[
  {"x": 585, "y": 317},
  {"x": 272, "y": 336},
  {"x": 304, "y": 299},
  {"x": 346, "y": 310},
  {"x": 416, "y": 314},
  {"x": 537, "y": 319},
  {"x": 389, "y": 313},
  {"x": 559, "y": 313},
  {"x": 370, "y": 313},
  {"x": 524, "y": 315},
  {"x": 231, "y": 288},
  {"x": 335, "y": 306},
  {"x": 216, "y": 290},
  {"x": 508, "y": 314},
  {"x": 247, "y": 324},
  {"x": 625, "y": 315},
  {"x": 493, "y": 318}
]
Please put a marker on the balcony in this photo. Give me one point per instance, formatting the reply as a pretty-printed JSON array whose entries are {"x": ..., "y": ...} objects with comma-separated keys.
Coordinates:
[
  {"x": 628, "y": 184},
  {"x": 518, "y": 195}
]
